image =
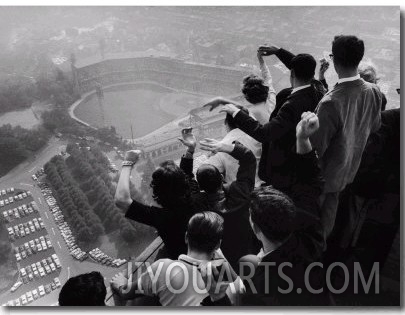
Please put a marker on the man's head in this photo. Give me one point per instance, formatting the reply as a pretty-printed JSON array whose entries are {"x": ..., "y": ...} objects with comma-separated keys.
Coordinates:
[
  {"x": 230, "y": 121},
  {"x": 87, "y": 289},
  {"x": 347, "y": 52},
  {"x": 254, "y": 89},
  {"x": 272, "y": 214},
  {"x": 302, "y": 69},
  {"x": 204, "y": 232},
  {"x": 169, "y": 185},
  {"x": 209, "y": 178}
]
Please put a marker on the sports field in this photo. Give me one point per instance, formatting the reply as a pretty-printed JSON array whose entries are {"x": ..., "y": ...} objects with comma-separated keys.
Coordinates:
[{"x": 145, "y": 107}]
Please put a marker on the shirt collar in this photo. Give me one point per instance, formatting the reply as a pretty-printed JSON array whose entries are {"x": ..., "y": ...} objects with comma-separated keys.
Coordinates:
[
  {"x": 189, "y": 260},
  {"x": 300, "y": 88},
  {"x": 356, "y": 77}
]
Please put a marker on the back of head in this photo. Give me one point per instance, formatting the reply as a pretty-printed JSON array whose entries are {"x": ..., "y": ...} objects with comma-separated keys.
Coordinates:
[
  {"x": 170, "y": 186},
  {"x": 254, "y": 89},
  {"x": 368, "y": 72},
  {"x": 84, "y": 290},
  {"x": 209, "y": 178},
  {"x": 230, "y": 121},
  {"x": 347, "y": 51},
  {"x": 273, "y": 212},
  {"x": 303, "y": 66},
  {"x": 205, "y": 231}
]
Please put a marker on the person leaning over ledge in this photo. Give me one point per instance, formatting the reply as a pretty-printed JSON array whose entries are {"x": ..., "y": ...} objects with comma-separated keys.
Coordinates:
[
  {"x": 290, "y": 232},
  {"x": 171, "y": 191}
]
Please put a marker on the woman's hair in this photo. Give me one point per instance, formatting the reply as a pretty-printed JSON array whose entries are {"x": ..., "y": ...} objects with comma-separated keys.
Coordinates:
[
  {"x": 254, "y": 89},
  {"x": 170, "y": 186},
  {"x": 368, "y": 72}
]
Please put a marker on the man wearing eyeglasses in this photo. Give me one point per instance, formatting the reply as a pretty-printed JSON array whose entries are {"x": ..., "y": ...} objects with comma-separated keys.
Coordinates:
[{"x": 347, "y": 115}]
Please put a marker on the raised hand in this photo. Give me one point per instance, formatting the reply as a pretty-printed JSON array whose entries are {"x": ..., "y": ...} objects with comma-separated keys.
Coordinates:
[
  {"x": 229, "y": 109},
  {"x": 133, "y": 155},
  {"x": 324, "y": 66},
  {"x": 188, "y": 139},
  {"x": 118, "y": 281},
  {"x": 308, "y": 125},
  {"x": 268, "y": 50},
  {"x": 216, "y": 102},
  {"x": 215, "y": 146}
]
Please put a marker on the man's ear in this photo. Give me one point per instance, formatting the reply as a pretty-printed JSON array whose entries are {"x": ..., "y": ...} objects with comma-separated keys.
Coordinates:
[{"x": 186, "y": 238}]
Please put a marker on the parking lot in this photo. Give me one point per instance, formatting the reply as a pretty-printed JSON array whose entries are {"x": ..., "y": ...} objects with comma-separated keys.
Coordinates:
[
  {"x": 31, "y": 247},
  {"x": 56, "y": 229}
]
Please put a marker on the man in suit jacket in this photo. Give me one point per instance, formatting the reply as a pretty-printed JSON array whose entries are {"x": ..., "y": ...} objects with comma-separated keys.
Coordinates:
[{"x": 278, "y": 135}]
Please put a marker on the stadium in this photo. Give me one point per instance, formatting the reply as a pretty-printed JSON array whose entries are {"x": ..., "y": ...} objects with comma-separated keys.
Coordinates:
[{"x": 183, "y": 88}]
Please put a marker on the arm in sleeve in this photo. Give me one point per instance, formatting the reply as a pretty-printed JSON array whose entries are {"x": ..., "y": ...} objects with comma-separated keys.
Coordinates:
[
  {"x": 305, "y": 194},
  {"x": 285, "y": 57},
  {"x": 186, "y": 164},
  {"x": 240, "y": 190},
  {"x": 269, "y": 82},
  {"x": 148, "y": 215},
  {"x": 329, "y": 124},
  {"x": 324, "y": 83},
  {"x": 277, "y": 127}
]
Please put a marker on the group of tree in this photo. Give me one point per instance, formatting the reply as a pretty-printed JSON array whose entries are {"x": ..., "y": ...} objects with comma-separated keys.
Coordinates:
[
  {"x": 90, "y": 168},
  {"x": 46, "y": 83},
  {"x": 73, "y": 202},
  {"x": 17, "y": 144}
]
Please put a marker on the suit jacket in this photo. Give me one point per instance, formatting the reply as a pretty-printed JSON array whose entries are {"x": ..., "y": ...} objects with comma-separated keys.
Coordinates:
[{"x": 278, "y": 136}]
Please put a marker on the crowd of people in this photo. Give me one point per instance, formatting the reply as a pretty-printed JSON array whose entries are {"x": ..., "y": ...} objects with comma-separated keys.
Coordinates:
[{"x": 287, "y": 194}]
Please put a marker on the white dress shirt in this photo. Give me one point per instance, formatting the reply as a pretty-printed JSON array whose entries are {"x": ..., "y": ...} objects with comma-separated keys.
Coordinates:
[{"x": 356, "y": 77}]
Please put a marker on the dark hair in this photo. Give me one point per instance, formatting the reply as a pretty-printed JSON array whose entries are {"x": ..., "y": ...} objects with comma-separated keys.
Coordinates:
[
  {"x": 230, "y": 121},
  {"x": 273, "y": 212},
  {"x": 87, "y": 289},
  {"x": 254, "y": 89},
  {"x": 347, "y": 51},
  {"x": 304, "y": 66},
  {"x": 209, "y": 178},
  {"x": 204, "y": 231},
  {"x": 169, "y": 185}
]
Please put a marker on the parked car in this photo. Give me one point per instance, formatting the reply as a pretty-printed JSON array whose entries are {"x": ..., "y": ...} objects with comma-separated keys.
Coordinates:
[
  {"x": 35, "y": 294},
  {"x": 16, "y": 286},
  {"x": 41, "y": 290}
]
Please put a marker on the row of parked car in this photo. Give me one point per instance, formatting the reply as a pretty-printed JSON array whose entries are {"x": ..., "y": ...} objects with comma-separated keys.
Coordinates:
[
  {"x": 6, "y": 191},
  {"x": 35, "y": 294},
  {"x": 70, "y": 241},
  {"x": 32, "y": 247},
  {"x": 40, "y": 269},
  {"x": 20, "y": 211},
  {"x": 63, "y": 226},
  {"x": 25, "y": 229},
  {"x": 38, "y": 174},
  {"x": 11, "y": 199},
  {"x": 97, "y": 255}
]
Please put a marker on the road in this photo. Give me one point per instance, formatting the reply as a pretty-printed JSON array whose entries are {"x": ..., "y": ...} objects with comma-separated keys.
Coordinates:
[{"x": 20, "y": 178}]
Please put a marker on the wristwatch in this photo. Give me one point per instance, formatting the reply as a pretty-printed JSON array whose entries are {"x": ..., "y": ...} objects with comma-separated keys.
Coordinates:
[{"x": 128, "y": 163}]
